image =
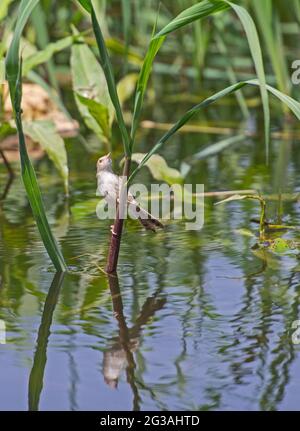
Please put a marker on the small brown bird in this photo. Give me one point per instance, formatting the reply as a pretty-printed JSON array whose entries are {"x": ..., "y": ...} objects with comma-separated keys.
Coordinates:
[{"x": 108, "y": 187}]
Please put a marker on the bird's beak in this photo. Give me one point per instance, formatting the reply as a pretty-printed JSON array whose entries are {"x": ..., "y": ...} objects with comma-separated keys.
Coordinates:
[{"x": 108, "y": 155}]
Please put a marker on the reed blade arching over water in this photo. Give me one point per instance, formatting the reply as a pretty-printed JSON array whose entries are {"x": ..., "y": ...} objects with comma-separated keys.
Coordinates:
[{"x": 14, "y": 77}]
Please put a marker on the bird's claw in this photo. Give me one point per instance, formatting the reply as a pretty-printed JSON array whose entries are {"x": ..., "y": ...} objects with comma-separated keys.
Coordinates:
[{"x": 112, "y": 230}]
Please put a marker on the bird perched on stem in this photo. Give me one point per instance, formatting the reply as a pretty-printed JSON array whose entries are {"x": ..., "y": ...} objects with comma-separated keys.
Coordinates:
[{"x": 109, "y": 186}]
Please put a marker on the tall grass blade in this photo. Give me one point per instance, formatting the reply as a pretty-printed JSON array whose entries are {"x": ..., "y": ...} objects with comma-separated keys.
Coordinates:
[
  {"x": 154, "y": 46},
  {"x": 296, "y": 6},
  {"x": 186, "y": 117},
  {"x": 12, "y": 58},
  {"x": 255, "y": 50},
  {"x": 268, "y": 21},
  {"x": 229, "y": 69},
  {"x": 89, "y": 81},
  {"x": 86, "y": 4},
  {"x": 289, "y": 101},
  {"x": 14, "y": 77},
  {"x": 108, "y": 72},
  {"x": 197, "y": 11},
  {"x": 2, "y": 71}
]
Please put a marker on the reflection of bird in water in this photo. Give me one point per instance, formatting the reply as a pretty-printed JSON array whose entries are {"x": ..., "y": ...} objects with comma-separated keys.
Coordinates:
[
  {"x": 115, "y": 361},
  {"x": 118, "y": 356}
]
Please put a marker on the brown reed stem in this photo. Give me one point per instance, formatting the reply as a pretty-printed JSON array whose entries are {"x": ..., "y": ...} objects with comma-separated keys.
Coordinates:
[{"x": 116, "y": 236}]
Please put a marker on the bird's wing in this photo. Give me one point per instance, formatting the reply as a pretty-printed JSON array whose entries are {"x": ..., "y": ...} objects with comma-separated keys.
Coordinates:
[
  {"x": 109, "y": 188},
  {"x": 112, "y": 186},
  {"x": 108, "y": 185}
]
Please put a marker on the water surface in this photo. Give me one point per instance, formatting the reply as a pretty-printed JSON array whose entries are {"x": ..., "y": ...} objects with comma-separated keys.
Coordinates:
[{"x": 195, "y": 320}]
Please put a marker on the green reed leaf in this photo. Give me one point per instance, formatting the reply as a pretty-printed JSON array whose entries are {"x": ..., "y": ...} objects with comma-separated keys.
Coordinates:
[
  {"x": 44, "y": 132},
  {"x": 14, "y": 77},
  {"x": 287, "y": 100},
  {"x": 254, "y": 45},
  {"x": 198, "y": 11},
  {"x": 108, "y": 72},
  {"x": 46, "y": 54},
  {"x": 86, "y": 4}
]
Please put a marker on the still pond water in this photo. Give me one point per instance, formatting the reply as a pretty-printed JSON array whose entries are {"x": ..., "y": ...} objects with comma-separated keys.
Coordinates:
[{"x": 195, "y": 320}]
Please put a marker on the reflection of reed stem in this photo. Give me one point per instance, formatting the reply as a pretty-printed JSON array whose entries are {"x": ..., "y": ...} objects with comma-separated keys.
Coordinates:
[
  {"x": 262, "y": 221},
  {"x": 262, "y": 218},
  {"x": 124, "y": 336},
  {"x": 36, "y": 377}
]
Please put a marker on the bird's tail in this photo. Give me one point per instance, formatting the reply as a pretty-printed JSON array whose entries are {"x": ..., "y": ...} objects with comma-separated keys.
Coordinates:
[{"x": 148, "y": 221}]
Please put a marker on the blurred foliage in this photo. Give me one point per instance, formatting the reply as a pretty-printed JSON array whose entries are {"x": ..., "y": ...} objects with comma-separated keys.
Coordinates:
[{"x": 196, "y": 53}]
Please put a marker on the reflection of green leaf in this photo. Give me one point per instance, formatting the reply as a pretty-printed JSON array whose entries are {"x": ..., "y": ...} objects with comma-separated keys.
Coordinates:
[
  {"x": 99, "y": 112},
  {"x": 40, "y": 357},
  {"x": 268, "y": 258},
  {"x": 45, "y": 134},
  {"x": 281, "y": 245},
  {"x": 245, "y": 232},
  {"x": 159, "y": 168},
  {"x": 88, "y": 81}
]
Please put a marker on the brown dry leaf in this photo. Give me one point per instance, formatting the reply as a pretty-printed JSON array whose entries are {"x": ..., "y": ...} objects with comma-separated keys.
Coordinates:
[{"x": 37, "y": 105}]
